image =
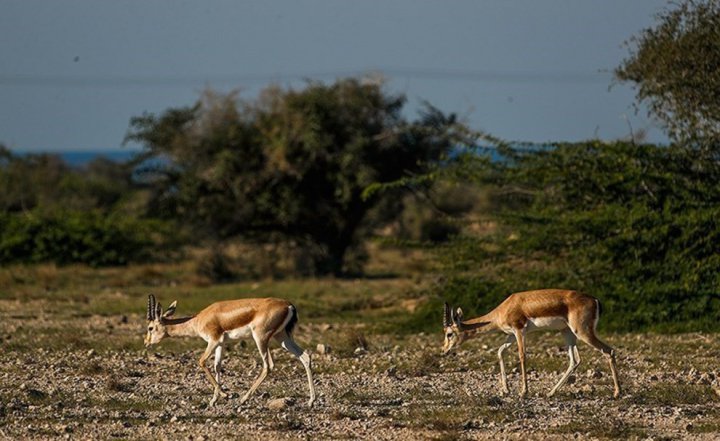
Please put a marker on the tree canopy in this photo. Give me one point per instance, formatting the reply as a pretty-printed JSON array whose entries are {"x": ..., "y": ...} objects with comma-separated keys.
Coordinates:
[
  {"x": 675, "y": 66},
  {"x": 291, "y": 165}
]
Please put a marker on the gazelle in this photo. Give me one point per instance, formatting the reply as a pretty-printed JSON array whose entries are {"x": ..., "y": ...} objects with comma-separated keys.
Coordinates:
[
  {"x": 574, "y": 314},
  {"x": 262, "y": 319}
]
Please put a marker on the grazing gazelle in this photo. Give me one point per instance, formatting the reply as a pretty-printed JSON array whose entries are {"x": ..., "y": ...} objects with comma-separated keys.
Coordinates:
[
  {"x": 262, "y": 319},
  {"x": 574, "y": 314}
]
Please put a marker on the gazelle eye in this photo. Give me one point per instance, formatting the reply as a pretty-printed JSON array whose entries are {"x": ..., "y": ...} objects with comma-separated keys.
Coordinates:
[
  {"x": 150, "y": 328},
  {"x": 449, "y": 335}
]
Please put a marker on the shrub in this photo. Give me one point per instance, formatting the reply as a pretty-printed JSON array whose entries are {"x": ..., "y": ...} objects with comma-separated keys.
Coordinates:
[
  {"x": 77, "y": 237},
  {"x": 635, "y": 226}
]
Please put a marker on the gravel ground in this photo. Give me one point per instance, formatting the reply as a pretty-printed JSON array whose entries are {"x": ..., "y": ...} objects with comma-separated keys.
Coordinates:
[{"x": 90, "y": 378}]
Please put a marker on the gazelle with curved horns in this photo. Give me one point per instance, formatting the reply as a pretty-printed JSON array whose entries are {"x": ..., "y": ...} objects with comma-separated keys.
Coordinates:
[
  {"x": 262, "y": 319},
  {"x": 570, "y": 312}
]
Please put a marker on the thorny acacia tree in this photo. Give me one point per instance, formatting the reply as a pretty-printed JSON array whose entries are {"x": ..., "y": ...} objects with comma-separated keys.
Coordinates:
[{"x": 291, "y": 165}]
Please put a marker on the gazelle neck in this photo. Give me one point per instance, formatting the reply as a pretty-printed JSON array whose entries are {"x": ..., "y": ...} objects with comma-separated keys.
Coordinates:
[
  {"x": 479, "y": 325},
  {"x": 180, "y": 327}
]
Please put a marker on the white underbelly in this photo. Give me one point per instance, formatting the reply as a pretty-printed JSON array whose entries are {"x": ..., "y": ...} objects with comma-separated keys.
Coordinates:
[
  {"x": 242, "y": 332},
  {"x": 546, "y": 323}
]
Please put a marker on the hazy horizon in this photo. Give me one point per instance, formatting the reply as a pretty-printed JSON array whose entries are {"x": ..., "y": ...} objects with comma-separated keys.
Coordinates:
[{"x": 75, "y": 72}]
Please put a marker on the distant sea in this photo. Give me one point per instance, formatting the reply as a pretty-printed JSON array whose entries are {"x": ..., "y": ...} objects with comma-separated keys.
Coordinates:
[{"x": 82, "y": 157}]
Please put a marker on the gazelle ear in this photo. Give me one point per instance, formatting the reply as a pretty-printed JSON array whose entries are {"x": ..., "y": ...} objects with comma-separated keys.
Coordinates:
[
  {"x": 170, "y": 310},
  {"x": 158, "y": 310},
  {"x": 458, "y": 315}
]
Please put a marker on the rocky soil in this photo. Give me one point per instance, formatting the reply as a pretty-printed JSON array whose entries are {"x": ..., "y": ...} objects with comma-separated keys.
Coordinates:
[{"x": 96, "y": 381}]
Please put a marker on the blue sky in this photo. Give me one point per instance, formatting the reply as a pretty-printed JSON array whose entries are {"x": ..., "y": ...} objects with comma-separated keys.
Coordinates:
[{"x": 74, "y": 72}]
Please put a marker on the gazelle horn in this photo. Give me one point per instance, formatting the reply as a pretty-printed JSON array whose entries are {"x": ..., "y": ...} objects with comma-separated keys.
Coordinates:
[
  {"x": 446, "y": 316},
  {"x": 151, "y": 307}
]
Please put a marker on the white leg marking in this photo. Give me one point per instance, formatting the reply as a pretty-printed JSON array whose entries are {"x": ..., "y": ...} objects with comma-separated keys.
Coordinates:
[
  {"x": 503, "y": 377},
  {"x": 271, "y": 363},
  {"x": 217, "y": 362},
  {"x": 571, "y": 341},
  {"x": 304, "y": 357}
]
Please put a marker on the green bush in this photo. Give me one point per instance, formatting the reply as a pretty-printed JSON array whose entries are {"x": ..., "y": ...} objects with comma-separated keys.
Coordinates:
[
  {"x": 76, "y": 237},
  {"x": 635, "y": 226}
]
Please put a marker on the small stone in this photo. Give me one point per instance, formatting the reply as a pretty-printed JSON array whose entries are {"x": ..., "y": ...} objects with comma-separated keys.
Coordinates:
[
  {"x": 716, "y": 390},
  {"x": 323, "y": 349},
  {"x": 91, "y": 352},
  {"x": 174, "y": 419},
  {"x": 593, "y": 373},
  {"x": 360, "y": 351},
  {"x": 280, "y": 403}
]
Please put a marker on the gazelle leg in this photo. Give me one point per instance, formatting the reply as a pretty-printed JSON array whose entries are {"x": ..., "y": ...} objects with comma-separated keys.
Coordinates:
[
  {"x": 503, "y": 377},
  {"x": 217, "y": 362},
  {"x": 571, "y": 341},
  {"x": 212, "y": 345},
  {"x": 262, "y": 345},
  {"x": 613, "y": 371},
  {"x": 577, "y": 355},
  {"x": 289, "y": 344},
  {"x": 271, "y": 363},
  {"x": 520, "y": 337},
  {"x": 590, "y": 338}
]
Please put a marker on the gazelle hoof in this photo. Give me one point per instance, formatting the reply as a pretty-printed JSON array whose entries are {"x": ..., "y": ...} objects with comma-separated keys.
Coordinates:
[{"x": 217, "y": 393}]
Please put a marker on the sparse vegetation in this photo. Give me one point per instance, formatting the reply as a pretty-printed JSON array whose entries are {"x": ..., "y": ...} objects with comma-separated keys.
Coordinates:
[{"x": 85, "y": 335}]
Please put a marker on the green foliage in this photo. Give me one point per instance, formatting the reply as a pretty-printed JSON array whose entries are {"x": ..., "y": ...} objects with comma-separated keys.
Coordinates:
[
  {"x": 75, "y": 237},
  {"x": 292, "y": 165},
  {"x": 675, "y": 68},
  {"x": 45, "y": 181},
  {"x": 636, "y": 226},
  {"x": 50, "y": 212},
  {"x": 431, "y": 216}
]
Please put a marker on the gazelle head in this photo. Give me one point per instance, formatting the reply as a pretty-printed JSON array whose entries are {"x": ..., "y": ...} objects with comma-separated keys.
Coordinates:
[
  {"x": 452, "y": 326},
  {"x": 156, "y": 320}
]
